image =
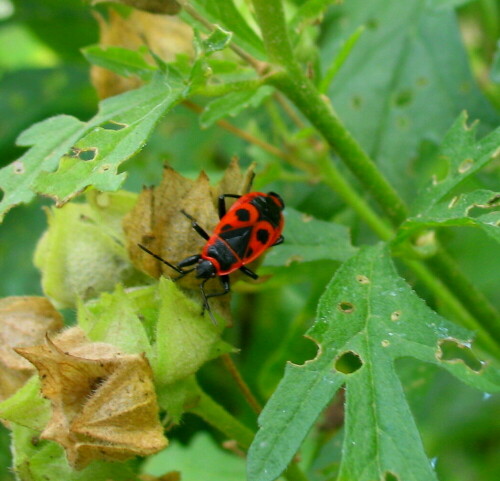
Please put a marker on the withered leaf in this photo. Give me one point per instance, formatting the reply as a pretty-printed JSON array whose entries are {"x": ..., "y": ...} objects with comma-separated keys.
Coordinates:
[
  {"x": 103, "y": 402},
  {"x": 24, "y": 321}
]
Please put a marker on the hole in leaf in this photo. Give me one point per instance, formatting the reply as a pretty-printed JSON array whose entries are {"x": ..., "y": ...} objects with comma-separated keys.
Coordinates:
[
  {"x": 363, "y": 279},
  {"x": 346, "y": 307},
  {"x": 87, "y": 154},
  {"x": 405, "y": 97},
  {"x": 452, "y": 351},
  {"x": 18, "y": 167},
  {"x": 395, "y": 316},
  {"x": 348, "y": 362},
  {"x": 390, "y": 476},
  {"x": 385, "y": 343},
  {"x": 112, "y": 125},
  {"x": 465, "y": 166},
  {"x": 357, "y": 102}
]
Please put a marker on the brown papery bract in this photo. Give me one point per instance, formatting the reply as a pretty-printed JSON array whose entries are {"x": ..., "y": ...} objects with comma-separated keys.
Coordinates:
[
  {"x": 103, "y": 401},
  {"x": 24, "y": 321}
]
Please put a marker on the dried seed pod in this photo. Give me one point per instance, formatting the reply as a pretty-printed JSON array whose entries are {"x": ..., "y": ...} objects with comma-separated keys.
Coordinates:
[
  {"x": 24, "y": 321},
  {"x": 103, "y": 402}
]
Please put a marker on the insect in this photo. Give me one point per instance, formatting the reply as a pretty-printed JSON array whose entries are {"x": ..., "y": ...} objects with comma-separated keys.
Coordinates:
[{"x": 252, "y": 225}]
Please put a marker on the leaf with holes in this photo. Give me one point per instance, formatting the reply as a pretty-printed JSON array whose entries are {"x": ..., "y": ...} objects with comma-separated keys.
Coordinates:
[
  {"x": 395, "y": 96},
  {"x": 464, "y": 156},
  {"x": 478, "y": 208},
  {"x": 308, "y": 239},
  {"x": 87, "y": 153},
  {"x": 367, "y": 318}
]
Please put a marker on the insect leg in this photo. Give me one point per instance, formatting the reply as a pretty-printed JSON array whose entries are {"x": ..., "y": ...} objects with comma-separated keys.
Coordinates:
[
  {"x": 189, "y": 261},
  {"x": 222, "y": 203},
  {"x": 279, "y": 241},
  {"x": 249, "y": 272},
  {"x": 226, "y": 284},
  {"x": 195, "y": 226}
]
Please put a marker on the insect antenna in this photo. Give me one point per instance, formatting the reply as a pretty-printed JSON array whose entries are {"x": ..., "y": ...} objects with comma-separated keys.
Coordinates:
[{"x": 182, "y": 272}]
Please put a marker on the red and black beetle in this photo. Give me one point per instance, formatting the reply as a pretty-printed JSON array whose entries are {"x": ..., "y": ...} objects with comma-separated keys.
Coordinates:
[{"x": 252, "y": 224}]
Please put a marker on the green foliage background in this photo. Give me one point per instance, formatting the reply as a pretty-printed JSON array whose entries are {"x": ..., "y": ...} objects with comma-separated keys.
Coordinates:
[{"x": 401, "y": 91}]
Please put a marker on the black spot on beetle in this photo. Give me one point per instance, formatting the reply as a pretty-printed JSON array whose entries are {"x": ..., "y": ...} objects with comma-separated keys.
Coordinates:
[
  {"x": 262, "y": 236},
  {"x": 243, "y": 215}
]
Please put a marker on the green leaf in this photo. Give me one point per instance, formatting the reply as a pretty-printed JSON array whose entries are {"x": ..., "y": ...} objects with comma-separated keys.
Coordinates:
[
  {"x": 218, "y": 465},
  {"x": 461, "y": 210},
  {"x": 87, "y": 153},
  {"x": 308, "y": 239},
  {"x": 459, "y": 156},
  {"x": 367, "y": 318},
  {"x": 232, "y": 104},
  {"x": 464, "y": 156},
  {"x": 120, "y": 60},
  {"x": 218, "y": 40},
  {"x": 399, "y": 96},
  {"x": 39, "y": 460},
  {"x": 50, "y": 139}
]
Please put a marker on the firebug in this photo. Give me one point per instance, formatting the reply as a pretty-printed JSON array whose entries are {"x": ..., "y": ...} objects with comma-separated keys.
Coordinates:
[{"x": 244, "y": 232}]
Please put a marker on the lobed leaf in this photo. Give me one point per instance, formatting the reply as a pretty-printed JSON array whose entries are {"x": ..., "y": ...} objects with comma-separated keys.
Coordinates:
[
  {"x": 87, "y": 153},
  {"x": 399, "y": 97},
  {"x": 463, "y": 156},
  {"x": 367, "y": 318}
]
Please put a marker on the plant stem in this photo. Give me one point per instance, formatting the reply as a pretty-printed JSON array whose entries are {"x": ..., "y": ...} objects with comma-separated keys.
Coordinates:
[
  {"x": 215, "y": 415},
  {"x": 242, "y": 385},
  {"x": 478, "y": 304}
]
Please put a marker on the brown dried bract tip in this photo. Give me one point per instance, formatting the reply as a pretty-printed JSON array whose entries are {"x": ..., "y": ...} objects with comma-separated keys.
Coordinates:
[
  {"x": 103, "y": 402},
  {"x": 24, "y": 321}
]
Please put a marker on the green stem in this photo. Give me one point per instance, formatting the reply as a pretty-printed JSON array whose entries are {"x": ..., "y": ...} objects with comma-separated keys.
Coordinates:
[
  {"x": 215, "y": 415},
  {"x": 334, "y": 179},
  {"x": 478, "y": 304}
]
